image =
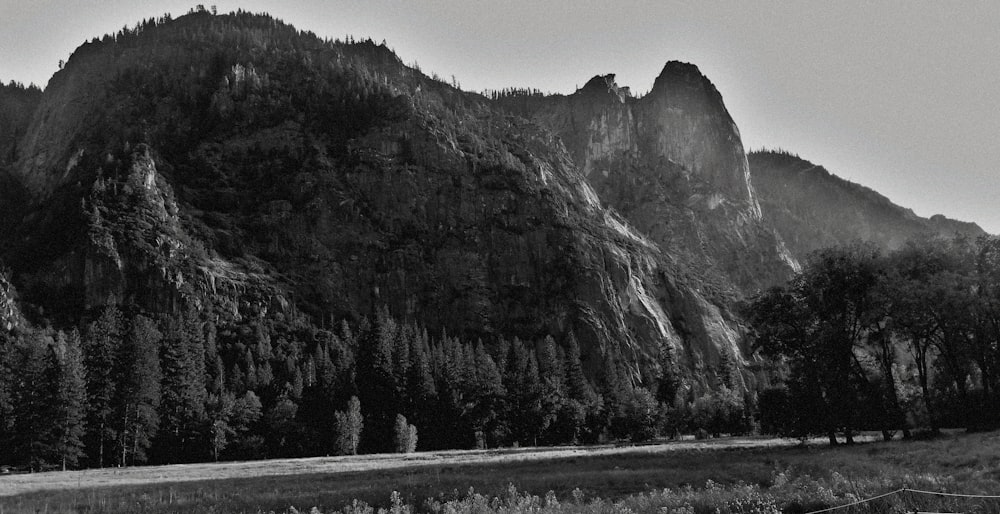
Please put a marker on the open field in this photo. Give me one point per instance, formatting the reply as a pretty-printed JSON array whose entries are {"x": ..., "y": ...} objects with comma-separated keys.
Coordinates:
[{"x": 815, "y": 473}]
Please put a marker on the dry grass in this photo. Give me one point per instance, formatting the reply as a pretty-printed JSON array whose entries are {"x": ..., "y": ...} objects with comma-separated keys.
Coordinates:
[
  {"x": 19, "y": 484},
  {"x": 966, "y": 463}
]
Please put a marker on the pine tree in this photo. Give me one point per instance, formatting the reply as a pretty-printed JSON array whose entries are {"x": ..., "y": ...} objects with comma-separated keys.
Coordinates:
[
  {"x": 524, "y": 400},
  {"x": 486, "y": 392},
  {"x": 552, "y": 375},
  {"x": 104, "y": 337},
  {"x": 420, "y": 383},
  {"x": 668, "y": 381},
  {"x": 183, "y": 391},
  {"x": 376, "y": 381},
  {"x": 618, "y": 393},
  {"x": 71, "y": 402},
  {"x": 577, "y": 386},
  {"x": 138, "y": 396},
  {"x": 36, "y": 429},
  {"x": 7, "y": 388}
]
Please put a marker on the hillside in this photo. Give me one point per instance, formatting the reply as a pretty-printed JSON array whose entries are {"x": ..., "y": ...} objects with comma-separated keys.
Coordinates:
[{"x": 811, "y": 208}]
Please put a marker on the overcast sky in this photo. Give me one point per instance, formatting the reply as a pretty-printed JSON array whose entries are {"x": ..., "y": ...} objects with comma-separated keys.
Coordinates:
[{"x": 900, "y": 96}]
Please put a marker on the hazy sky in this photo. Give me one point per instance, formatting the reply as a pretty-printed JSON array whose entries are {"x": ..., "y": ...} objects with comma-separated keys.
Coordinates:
[{"x": 900, "y": 96}]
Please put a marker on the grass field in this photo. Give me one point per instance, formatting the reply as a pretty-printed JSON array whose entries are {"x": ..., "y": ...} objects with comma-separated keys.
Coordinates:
[{"x": 701, "y": 475}]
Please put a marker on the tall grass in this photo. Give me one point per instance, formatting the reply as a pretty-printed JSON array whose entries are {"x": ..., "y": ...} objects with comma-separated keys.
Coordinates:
[{"x": 787, "y": 494}]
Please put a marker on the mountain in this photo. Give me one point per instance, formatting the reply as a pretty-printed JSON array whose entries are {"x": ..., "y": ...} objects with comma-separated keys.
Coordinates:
[
  {"x": 238, "y": 166},
  {"x": 811, "y": 208}
]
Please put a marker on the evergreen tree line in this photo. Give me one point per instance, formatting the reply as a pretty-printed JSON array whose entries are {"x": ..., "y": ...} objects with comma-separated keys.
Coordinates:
[
  {"x": 130, "y": 389},
  {"x": 892, "y": 342}
]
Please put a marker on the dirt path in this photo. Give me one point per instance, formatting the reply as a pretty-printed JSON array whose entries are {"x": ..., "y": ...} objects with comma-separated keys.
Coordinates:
[{"x": 17, "y": 484}]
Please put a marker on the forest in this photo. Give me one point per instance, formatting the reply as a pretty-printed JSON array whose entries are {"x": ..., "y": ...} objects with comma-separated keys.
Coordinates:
[
  {"x": 128, "y": 389},
  {"x": 902, "y": 342}
]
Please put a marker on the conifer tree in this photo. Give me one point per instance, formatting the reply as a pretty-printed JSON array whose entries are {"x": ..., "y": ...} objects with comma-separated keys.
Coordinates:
[
  {"x": 525, "y": 416},
  {"x": 420, "y": 382},
  {"x": 71, "y": 402},
  {"x": 577, "y": 386},
  {"x": 552, "y": 375},
  {"x": 668, "y": 382},
  {"x": 138, "y": 395},
  {"x": 35, "y": 434},
  {"x": 7, "y": 389},
  {"x": 487, "y": 392},
  {"x": 183, "y": 392},
  {"x": 376, "y": 381},
  {"x": 104, "y": 337}
]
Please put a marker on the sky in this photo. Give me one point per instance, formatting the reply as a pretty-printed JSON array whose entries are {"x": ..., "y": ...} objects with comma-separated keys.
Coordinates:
[{"x": 899, "y": 96}]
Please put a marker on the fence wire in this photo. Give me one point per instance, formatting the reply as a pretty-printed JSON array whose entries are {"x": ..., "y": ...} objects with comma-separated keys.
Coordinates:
[{"x": 916, "y": 501}]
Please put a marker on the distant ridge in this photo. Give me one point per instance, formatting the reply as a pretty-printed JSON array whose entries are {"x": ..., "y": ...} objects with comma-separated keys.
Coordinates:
[{"x": 811, "y": 208}]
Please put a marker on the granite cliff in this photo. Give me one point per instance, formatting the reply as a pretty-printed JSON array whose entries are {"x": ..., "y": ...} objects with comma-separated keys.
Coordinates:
[{"x": 673, "y": 164}]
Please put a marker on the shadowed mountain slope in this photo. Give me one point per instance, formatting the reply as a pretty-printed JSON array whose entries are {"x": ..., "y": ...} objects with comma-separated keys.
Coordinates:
[{"x": 811, "y": 208}]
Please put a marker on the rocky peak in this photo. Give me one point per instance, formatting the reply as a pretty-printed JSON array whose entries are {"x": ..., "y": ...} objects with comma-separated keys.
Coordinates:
[
  {"x": 677, "y": 75},
  {"x": 683, "y": 119}
]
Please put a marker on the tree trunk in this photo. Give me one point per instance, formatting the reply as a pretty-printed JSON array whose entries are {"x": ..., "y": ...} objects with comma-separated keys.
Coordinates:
[
  {"x": 887, "y": 361},
  {"x": 135, "y": 442},
  {"x": 124, "y": 441},
  {"x": 920, "y": 355},
  {"x": 100, "y": 458}
]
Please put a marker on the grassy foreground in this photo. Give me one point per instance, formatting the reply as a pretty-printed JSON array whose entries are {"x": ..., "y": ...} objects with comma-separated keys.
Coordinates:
[{"x": 723, "y": 476}]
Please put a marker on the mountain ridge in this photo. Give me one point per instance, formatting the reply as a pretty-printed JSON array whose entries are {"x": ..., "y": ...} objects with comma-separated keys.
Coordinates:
[{"x": 236, "y": 164}]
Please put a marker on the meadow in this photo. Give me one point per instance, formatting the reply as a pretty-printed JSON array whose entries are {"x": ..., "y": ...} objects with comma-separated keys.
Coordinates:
[{"x": 724, "y": 475}]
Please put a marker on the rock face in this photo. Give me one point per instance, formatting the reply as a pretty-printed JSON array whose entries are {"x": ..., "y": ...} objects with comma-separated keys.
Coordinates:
[
  {"x": 812, "y": 209},
  {"x": 10, "y": 315},
  {"x": 234, "y": 164},
  {"x": 673, "y": 164}
]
